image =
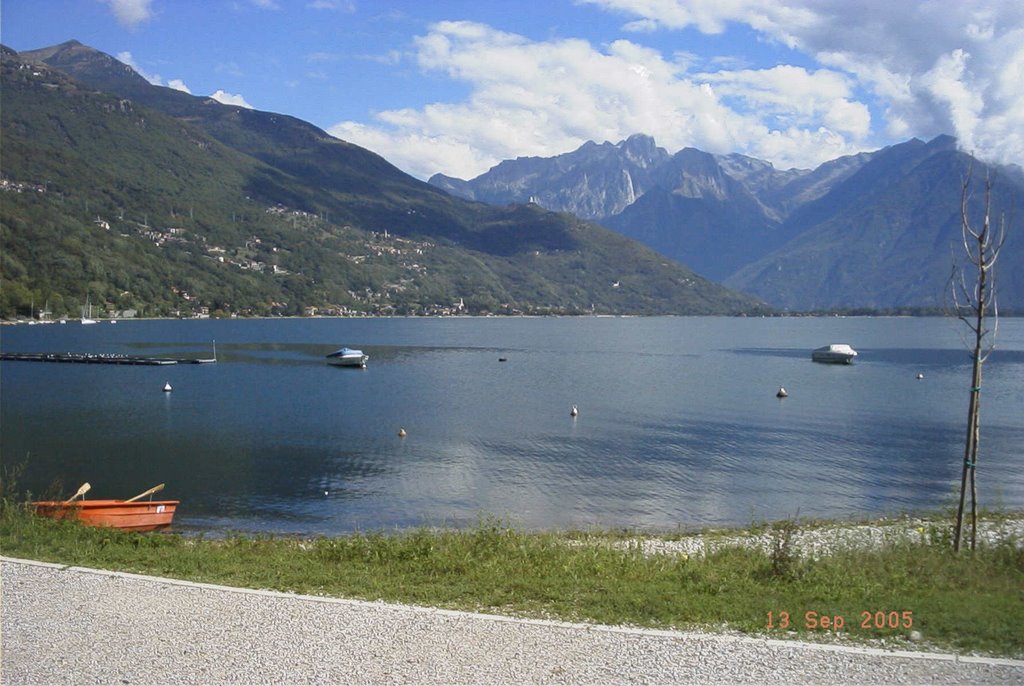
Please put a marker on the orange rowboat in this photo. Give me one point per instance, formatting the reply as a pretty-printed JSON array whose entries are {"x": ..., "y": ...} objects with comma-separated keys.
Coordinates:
[
  {"x": 130, "y": 515},
  {"x": 121, "y": 514}
]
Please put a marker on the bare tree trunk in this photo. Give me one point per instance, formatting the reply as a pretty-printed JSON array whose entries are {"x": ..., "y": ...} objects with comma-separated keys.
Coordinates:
[
  {"x": 970, "y": 451},
  {"x": 973, "y": 305}
]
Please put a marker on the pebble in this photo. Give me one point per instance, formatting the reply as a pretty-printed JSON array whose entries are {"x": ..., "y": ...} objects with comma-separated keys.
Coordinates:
[{"x": 71, "y": 625}]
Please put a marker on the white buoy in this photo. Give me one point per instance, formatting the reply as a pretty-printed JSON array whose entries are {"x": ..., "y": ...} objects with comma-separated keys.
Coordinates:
[
  {"x": 402, "y": 433},
  {"x": 920, "y": 376},
  {"x": 781, "y": 393},
  {"x": 574, "y": 412},
  {"x": 167, "y": 387}
]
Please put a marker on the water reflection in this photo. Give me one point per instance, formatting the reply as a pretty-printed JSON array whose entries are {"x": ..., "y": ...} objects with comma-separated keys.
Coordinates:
[
  {"x": 678, "y": 426},
  {"x": 772, "y": 352}
]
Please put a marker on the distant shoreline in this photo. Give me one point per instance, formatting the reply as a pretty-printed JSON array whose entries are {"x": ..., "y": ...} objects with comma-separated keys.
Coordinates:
[{"x": 779, "y": 315}]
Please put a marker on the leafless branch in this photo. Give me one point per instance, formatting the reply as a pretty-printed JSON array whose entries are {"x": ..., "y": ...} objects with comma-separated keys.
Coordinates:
[{"x": 974, "y": 304}]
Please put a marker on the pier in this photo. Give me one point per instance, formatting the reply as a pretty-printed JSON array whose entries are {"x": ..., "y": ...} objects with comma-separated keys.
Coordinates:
[{"x": 101, "y": 358}]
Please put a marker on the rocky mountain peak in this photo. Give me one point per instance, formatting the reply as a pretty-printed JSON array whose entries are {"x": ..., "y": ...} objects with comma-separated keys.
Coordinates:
[
  {"x": 693, "y": 173},
  {"x": 641, "y": 150}
]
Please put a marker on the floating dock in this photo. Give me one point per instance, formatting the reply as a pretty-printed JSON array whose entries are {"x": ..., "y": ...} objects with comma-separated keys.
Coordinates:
[{"x": 101, "y": 358}]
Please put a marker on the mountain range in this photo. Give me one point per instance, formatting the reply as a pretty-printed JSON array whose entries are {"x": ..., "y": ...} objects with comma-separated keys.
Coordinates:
[
  {"x": 140, "y": 198},
  {"x": 876, "y": 230}
]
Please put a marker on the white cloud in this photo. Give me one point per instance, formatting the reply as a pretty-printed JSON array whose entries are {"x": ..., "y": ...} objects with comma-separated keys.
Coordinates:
[
  {"x": 178, "y": 85},
  {"x": 934, "y": 67},
  {"x": 641, "y": 26},
  {"x": 774, "y": 17},
  {"x": 131, "y": 13},
  {"x": 423, "y": 155},
  {"x": 226, "y": 98},
  {"x": 155, "y": 79},
  {"x": 127, "y": 58},
  {"x": 796, "y": 96},
  {"x": 945, "y": 83},
  {"x": 884, "y": 71},
  {"x": 545, "y": 98}
]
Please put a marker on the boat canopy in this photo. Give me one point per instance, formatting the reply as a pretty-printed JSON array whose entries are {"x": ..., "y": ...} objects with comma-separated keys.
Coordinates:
[
  {"x": 836, "y": 348},
  {"x": 342, "y": 352}
]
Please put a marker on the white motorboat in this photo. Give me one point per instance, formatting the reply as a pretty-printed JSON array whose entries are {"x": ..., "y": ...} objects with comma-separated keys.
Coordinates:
[
  {"x": 347, "y": 357},
  {"x": 835, "y": 353}
]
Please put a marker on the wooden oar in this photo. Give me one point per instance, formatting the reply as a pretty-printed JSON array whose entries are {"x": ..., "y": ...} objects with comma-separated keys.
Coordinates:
[
  {"x": 82, "y": 490},
  {"x": 155, "y": 489}
]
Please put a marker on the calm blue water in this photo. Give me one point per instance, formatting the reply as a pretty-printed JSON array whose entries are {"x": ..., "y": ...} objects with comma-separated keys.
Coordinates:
[{"x": 679, "y": 425}]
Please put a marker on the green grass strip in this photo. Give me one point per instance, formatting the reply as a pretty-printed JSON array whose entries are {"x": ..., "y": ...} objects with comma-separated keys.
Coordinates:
[{"x": 972, "y": 601}]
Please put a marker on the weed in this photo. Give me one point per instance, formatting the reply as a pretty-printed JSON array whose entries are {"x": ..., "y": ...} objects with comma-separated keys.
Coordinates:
[{"x": 784, "y": 559}]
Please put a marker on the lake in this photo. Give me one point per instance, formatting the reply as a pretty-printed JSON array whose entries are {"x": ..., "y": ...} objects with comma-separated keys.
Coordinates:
[{"x": 678, "y": 427}]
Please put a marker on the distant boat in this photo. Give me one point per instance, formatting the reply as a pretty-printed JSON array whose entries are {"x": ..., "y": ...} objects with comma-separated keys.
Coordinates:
[
  {"x": 208, "y": 360},
  {"x": 347, "y": 357},
  {"x": 835, "y": 353},
  {"x": 88, "y": 307}
]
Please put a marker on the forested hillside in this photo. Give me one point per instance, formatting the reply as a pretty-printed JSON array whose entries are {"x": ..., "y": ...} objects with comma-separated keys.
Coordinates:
[{"x": 145, "y": 199}]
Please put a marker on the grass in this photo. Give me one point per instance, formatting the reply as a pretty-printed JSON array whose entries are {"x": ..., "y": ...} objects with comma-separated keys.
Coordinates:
[{"x": 973, "y": 601}]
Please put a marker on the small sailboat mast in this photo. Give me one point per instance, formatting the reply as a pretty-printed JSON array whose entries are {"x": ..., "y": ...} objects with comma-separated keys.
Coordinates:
[{"x": 88, "y": 305}]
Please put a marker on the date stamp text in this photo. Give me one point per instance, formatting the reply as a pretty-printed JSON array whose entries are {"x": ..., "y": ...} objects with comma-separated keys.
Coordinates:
[{"x": 865, "y": 620}]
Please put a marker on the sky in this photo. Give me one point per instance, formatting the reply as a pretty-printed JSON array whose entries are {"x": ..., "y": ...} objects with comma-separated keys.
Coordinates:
[{"x": 456, "y": 86}]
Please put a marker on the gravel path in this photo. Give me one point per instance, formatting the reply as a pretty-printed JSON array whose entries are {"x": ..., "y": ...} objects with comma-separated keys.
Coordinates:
[{"x": 63, "y": 625}]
